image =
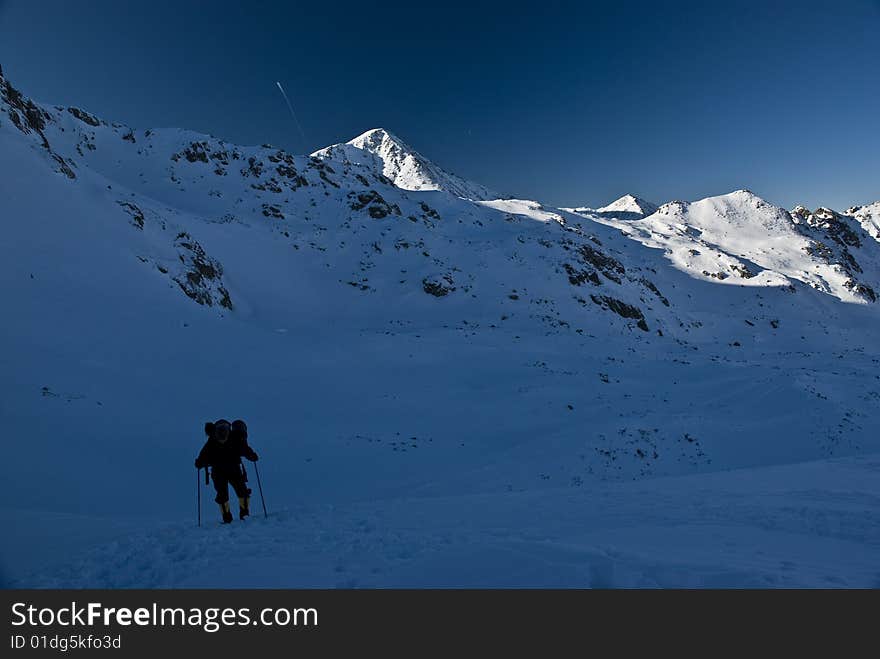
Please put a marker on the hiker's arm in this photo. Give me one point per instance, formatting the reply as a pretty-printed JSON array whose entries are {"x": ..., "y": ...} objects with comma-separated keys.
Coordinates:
[
  {"x": 248, "y": 452},
  {"x": 203, "y": 459}
]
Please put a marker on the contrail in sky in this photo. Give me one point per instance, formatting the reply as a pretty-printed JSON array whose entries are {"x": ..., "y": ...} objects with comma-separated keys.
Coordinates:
[{"x": 292, "y": 113}]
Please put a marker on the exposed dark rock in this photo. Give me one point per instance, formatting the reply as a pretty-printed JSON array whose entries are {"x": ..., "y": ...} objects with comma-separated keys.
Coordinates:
[
  {"x": 862, "y": 290},
  {"x": 254, "y": 168},
  {"x": 834, "y": 225},
  {"x": 195, "y": 152},
  {"x": 295, "y": 179},
  {"x": 324, "y": 170},
  {"x": 375, "y": 204},
  {"x": 438, "y": 286},
  {"x": 137, "y": 215},
  {"x": 621, "y": 309},
  {"x": 651, "y": 287},
  {"x": 201, "y": 279},
  {"x": 272, "y": 211},
  {"x": 29, "y": 118},
  {"x": 85, "y": 117},
  {"x": 743, "y": 271},
  {"x": 608, "y": 266},
  {"x": 577, "y": 277},
  {"x": 272, "y": 186},
  {"x": 63, "y": 166},
  {"x": 428, "y": 211},
  {"x": 819, "y": 250}
]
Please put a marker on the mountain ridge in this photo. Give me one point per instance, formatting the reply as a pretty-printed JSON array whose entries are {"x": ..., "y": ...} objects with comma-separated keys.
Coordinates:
[{"x": 822, "y": 250}]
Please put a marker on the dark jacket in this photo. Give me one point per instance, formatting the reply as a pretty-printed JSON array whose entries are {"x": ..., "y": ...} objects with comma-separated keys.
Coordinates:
[{"x": 225, "y": 457}]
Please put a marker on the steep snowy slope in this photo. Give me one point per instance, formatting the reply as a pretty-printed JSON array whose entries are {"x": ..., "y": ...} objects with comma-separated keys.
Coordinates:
[
  {"x": 390, "y": 156},
  {"x": 390, "y": 348}
]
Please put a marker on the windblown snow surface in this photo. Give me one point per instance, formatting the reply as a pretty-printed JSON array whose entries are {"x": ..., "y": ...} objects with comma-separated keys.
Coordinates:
[{"x": 444, "y": 389}]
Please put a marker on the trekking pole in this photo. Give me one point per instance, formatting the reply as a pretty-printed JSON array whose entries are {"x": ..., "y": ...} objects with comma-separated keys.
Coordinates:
[
  {"x": 260, "y": 485},
  {"x": 199, "y": 493}
]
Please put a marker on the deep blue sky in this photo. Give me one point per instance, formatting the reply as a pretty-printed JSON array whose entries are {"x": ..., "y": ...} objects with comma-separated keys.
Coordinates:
[{"x": 570, "y": 103}]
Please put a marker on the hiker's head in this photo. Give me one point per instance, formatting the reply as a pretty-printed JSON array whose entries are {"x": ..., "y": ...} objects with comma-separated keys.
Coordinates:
[
  {"x": 221, "y": 430},
  {"x": 239, "y": 428}
]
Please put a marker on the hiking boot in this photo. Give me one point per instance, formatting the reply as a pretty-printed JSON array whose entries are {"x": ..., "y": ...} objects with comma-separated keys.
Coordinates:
[
  {"x": 227, "y": 514},
  {"x": 244, "y": 507}
]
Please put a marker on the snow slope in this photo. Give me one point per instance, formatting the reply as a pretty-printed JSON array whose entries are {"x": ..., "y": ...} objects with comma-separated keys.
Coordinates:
[
  {"x": 442, "y": 391},
  {"x": 794, "y": 526}
]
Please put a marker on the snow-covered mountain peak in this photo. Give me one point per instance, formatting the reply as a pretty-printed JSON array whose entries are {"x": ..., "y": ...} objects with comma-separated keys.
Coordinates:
[
  {"x": 740, "y": 208},
  {"x": 630, "y": 204},
  {"x": 377, "y": 138},
  {"x": 742, "y": 196},
  {"x": 405, "y": 167},
  {"x": 743, "y": 193}
]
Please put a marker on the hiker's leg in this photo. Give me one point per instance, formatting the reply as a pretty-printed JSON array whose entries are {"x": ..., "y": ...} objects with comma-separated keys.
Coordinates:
[
  {"x": 244, "y": 497},
  {"x": 221, "y": 484}
]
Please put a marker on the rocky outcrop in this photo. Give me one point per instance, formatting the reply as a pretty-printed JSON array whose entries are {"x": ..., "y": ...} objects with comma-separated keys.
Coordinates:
[
  {"x": 31, "y": 119},
  {"x": 832, "y": 239},
  {"x": 622, "y": 309},
  {"x": 201, "y": 277}
]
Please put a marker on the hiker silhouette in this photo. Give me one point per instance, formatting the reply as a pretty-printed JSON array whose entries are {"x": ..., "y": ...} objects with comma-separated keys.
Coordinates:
[{"x": 225, "y": 447}]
